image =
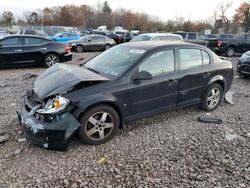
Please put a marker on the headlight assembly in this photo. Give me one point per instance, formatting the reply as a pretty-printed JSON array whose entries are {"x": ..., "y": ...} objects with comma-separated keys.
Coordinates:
[
  {"x": 244, "y": 58},
  {"x": 54, "y": 106}
]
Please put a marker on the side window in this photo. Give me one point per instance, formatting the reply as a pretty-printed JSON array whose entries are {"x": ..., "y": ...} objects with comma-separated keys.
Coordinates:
[
  {"x": 33, "y": 41},
  {"x": 168, "y": 38},
  {"x": 176, "y": 38},
  {"x": 156, "y": 39},
  {"x": 159, "y": 63},
  {"x": 99, "y": 38},
  {"x": 202, "y": 37},
  {"x": 190, "y": 58},
  {"x": 192, "y": 36},
  {"x": 205, "y": 57},
  {"x": 13, "y": 41},
  {"x": 248, "y": 38}
]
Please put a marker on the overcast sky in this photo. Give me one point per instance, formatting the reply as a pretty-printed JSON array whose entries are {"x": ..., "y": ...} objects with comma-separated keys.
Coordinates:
[{"x": 164, "y": 9}]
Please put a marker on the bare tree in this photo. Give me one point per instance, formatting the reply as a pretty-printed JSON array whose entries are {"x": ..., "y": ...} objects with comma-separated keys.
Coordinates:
[{"x": 223, "y": 20}]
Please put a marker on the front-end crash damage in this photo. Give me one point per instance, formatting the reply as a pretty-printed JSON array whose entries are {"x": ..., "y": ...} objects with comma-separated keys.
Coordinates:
[{"x": 46, "y": 114}]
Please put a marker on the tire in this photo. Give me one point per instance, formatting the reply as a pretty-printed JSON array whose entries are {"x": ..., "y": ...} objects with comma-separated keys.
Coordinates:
[
  {"x": 243, "y": 76},
  {"x": 96, "y": 131},
  {"x": 106, "y": 47},
  {"x": 51, "y": 59},
  {"x": 212, "y": 97},
  {"x": 230, "y": 51},
  {"x": 79, "y": 48}
]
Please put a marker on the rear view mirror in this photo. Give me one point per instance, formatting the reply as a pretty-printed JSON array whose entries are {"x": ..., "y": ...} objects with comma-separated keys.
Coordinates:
[{"x": 142, "y": 75}]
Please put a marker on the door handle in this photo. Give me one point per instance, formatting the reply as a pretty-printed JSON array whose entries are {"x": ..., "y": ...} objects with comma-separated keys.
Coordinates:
[
  {"x": 207, "y": 74},
  {"x": 18, "y": 50},
  {"x": 43, "y": 48},
  {"x": 172, "y": 81}
]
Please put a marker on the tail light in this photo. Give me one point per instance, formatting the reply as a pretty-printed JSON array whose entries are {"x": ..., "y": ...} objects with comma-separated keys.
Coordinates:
[
  {"x": 67, "y": 48},
  {"x": 219, "y": 42}
]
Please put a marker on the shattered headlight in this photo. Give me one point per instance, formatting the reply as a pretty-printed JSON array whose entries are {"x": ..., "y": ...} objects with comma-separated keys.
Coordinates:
[{"x": 54, "y": 106}]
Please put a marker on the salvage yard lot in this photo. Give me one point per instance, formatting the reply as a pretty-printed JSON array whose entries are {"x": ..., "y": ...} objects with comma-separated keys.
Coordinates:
[{"x": 166, "y": 150}]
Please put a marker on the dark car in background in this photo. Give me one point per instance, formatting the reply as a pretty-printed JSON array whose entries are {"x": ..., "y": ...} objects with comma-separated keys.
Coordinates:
[
  {"x": 91, "y": 42},
  {"x": 120, "y": 37},
  {"x": 124, "y": 83},
  {"x": 240, "y": 43},
  {"x": 193, "y": 37},
  {"x": 26, "y": 50},
  {"x": 243, "y": 66}
]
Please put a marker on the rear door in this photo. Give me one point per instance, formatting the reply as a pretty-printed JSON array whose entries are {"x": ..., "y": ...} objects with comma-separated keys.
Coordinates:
[
  {"x": 194, "y": 65},
  {"x": 10, "y": 51},
  {"x": 33, "y": 49}
]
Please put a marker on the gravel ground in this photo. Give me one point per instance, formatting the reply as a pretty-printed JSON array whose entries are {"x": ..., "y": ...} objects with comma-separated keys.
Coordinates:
[{"x": 170, "y": 149}]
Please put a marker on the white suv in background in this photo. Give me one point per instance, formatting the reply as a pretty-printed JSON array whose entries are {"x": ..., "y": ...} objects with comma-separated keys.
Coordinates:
[{"x": 157, "y": 37}]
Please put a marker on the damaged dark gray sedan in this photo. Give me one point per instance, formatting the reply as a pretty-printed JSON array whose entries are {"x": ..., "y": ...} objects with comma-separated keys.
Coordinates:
[{"x": 127, "y": 82}]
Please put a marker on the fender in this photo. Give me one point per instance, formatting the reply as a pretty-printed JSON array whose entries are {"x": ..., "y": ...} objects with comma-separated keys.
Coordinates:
[
  {"x": 217, "y": 78},
  {"x": 110, "y": 100}
]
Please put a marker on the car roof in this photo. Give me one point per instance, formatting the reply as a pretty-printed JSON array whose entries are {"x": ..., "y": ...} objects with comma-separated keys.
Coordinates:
[
  {"x": 148, "y": 45},
  {"x": 159, "y": 34},
  {"x": 94, "y": 35}
]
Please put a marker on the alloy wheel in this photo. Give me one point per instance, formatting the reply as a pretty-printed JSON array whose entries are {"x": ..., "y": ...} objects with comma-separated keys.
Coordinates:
[
  {"x": 99, "y": 125},
  {"x": 213, "y": 98},
  {"x": 51, "y": 60},
  {"x": 79, "y": 48}
]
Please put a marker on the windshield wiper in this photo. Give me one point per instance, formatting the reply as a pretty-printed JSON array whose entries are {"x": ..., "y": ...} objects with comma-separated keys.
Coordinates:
[{"x": 92, "y": 70}]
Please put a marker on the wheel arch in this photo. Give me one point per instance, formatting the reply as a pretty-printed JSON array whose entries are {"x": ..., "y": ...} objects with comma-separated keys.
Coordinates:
[
  {"x": 219, "y": 79},
  {"x": 79, "y": 112}
]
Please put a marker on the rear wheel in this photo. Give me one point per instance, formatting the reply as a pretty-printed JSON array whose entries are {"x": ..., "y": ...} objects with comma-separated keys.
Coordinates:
[
  {"x": 212, "y": 97},
  {"x": 107, "y": 46},
  {"x": 51, "y": 59},
  {"x": 98, "y": 125},
  {"x": 230, "y": 51},
  {"x": 79, "y": 48}
]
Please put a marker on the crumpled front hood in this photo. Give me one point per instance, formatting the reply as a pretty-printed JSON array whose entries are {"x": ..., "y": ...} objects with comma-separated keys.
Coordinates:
[{"x": 61, "y": 77}]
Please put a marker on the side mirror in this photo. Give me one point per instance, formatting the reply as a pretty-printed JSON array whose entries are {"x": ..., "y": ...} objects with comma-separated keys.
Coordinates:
[
  {"x": 89, "y": 40},
  {"x": 142, "y": 75}
]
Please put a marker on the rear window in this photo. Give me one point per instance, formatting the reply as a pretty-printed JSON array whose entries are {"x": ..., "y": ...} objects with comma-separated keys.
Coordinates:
[{"x": 34, "y": 41}]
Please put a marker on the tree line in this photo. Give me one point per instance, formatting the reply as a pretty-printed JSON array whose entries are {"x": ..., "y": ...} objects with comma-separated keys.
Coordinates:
[{"x": 85, "y": 16}]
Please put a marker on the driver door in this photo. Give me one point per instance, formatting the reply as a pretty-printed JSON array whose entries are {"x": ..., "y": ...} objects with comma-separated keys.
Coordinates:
[{"x": 158, "y": 92}]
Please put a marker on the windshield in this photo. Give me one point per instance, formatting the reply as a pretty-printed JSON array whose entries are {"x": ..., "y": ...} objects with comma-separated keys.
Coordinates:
[
  {"x": 114, "y": 61},
  {"x": 141, "y": 38}
]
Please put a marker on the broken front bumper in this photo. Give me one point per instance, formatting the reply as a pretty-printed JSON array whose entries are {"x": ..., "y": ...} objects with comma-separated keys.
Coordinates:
[{"x": 54, "y": 135}]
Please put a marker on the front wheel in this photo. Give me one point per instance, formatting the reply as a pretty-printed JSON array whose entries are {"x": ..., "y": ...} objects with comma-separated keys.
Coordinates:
[
  {"x": 212, "y": 97},
  {"x": 79, "y": 48},
  {"x": 98, "y": 125}
]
